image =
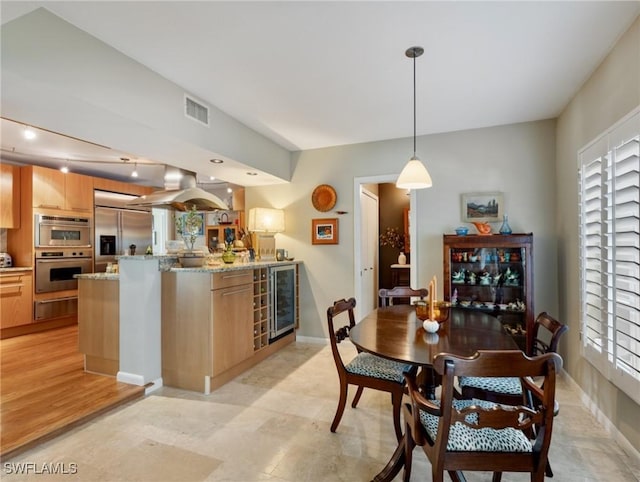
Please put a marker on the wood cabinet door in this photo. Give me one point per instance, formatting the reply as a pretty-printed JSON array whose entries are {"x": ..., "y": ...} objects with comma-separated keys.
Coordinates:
[
  {"x": 15, "y": 299},
  {"x": 78, "y": 192},
  {"x": 9, "y": 196},
  {"x": 48, "y": 188},
  {"x": 232, "y": 310}
]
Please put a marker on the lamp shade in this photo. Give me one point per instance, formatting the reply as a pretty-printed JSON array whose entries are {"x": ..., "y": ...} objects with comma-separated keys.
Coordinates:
[
  {"x": 266, "y": 220},
  {"x": 414, "y": 176}
]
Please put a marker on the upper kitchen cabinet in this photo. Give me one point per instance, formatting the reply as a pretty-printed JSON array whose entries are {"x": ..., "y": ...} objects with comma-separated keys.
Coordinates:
[
  {"x": 9, "y": 196},
  {"x": 53, "y": 189}
]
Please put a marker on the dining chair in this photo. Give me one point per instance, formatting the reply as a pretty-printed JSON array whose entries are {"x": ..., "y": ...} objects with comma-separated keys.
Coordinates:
[
  {"x": 364, "y": 370},
  {"x": 508, "y": 390},
  {"x": 478, "y": 435},
  {"x": 387, "y": 295}
]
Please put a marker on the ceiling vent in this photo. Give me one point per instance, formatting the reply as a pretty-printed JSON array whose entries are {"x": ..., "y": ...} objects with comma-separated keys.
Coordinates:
[{"x": 196, "y": 110}]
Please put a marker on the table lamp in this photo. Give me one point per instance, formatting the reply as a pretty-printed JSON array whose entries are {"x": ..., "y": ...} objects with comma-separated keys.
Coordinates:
[{"x": 265, "y": 223}]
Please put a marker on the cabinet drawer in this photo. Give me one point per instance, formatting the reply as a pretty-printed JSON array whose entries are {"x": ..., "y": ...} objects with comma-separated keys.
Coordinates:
[
  {"x": 231, "y": 278},
  {"x": 15, "y": 299}
]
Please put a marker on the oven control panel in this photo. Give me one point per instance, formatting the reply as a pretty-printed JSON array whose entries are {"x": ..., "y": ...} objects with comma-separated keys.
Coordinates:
[{"x": 63, "y": 253}]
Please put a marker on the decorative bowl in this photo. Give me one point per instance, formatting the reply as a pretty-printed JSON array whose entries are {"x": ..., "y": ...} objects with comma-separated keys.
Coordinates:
[
  {"x": 422, "y": 309},
  {"x": 462, "y": 231},
  {"x": 440, "y": 311}
]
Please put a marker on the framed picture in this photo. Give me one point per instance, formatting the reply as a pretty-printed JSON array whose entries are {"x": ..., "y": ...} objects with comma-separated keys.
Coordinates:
[
  {"x": 324, "y": 231},
  {"x": 482, "y": 207},
  {"x": 193, "y": 220}
]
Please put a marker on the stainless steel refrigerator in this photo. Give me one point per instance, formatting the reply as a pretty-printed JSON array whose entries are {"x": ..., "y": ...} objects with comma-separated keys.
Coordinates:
[{"x": 117, "y": 228}]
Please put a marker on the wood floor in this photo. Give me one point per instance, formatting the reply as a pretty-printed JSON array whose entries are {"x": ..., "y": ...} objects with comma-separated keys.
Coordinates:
[{"x": 45, "y": 391}]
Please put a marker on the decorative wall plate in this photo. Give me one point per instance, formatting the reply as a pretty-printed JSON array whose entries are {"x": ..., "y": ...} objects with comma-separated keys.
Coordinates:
[{"x": 324, "y": 198}]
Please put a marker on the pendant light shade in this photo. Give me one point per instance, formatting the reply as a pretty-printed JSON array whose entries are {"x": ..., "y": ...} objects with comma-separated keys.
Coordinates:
[{"x": 415, "y": 174}]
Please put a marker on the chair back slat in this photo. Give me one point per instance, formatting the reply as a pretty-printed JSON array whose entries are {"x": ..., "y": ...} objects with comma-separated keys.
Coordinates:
[
  {"x": 387, "y": 295},
  {"x": 518, "y": 417},
  {"x": 495, "y": 363}
]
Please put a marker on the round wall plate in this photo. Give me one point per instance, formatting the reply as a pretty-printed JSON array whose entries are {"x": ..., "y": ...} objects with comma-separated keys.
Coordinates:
[{"x": 324, "y": 197}]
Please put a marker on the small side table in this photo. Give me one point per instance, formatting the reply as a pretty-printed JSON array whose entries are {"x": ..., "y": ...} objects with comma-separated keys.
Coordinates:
[{"x": 400, "y": 275}]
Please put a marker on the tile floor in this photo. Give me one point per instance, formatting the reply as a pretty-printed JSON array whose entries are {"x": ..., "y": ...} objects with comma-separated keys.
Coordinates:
[{"x": 272, "y": 423}]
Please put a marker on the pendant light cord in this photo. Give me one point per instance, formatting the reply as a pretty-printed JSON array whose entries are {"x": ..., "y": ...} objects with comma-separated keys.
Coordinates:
[{"x": 414, "y": 106}]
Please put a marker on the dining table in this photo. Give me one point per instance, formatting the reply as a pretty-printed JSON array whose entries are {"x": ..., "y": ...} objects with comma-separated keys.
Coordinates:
[{"x": 396, "y": 333}]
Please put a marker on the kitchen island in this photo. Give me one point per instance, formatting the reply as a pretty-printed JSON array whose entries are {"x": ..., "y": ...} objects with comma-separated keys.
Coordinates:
[{"x": 192, "y": 328}]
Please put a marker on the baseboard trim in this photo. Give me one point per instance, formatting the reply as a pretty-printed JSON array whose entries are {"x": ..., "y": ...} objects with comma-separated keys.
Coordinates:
[
  {"x": 602, "y": 418},
  {"x": 312, "y": 339}
]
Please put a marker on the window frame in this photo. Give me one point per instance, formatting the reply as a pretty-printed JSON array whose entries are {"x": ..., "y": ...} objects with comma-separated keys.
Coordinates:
[{"x": 602, "y": 298}]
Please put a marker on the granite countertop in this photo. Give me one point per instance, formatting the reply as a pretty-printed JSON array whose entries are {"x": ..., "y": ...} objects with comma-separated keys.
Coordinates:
[
  {"x": 170, "y": 263},
  {"x": 220, "y": 267},
  {"x": 16, "y": 269},
  {"x": 98, "y": 276}
]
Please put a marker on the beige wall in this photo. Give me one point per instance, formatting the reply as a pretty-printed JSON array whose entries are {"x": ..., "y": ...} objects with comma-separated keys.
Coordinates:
[
  {"x": 612, "y": 91},
  {"x": 515, "y": 159}
]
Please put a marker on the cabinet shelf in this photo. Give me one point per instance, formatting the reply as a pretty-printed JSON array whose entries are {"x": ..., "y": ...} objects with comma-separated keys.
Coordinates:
[{"x": 492, "y": 274}]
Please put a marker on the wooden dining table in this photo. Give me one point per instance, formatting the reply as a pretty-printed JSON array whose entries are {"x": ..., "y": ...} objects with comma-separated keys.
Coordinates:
[{"x": 394, "y": 332}]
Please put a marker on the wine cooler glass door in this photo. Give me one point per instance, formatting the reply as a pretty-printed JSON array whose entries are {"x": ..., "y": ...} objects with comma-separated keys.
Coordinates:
[{"x": 283, "y": 300}]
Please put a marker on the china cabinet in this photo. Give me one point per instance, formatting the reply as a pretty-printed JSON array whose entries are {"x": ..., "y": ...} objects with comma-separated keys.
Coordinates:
[{"x": 493, "y": 274}]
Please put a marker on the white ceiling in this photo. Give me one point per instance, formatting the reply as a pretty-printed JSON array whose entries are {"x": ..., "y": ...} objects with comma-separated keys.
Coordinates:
[{"x": 317, "y": 74}]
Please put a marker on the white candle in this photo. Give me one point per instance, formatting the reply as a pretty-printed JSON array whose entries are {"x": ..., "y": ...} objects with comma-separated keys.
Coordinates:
[{"x": 431, "y": 299}]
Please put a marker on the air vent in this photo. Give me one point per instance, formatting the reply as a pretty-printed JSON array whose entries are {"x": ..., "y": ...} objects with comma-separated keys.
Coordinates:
[{"x": 196, "y": 111}]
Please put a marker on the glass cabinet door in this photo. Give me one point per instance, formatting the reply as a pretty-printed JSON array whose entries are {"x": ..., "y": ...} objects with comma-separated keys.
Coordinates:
[{"x": 492, "y": 274}]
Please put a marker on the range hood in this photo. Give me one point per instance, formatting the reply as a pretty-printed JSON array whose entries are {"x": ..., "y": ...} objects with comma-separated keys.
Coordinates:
[{"x": 181, "y": 192}]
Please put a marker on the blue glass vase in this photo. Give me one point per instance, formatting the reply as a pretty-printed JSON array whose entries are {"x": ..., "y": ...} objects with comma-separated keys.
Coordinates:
[{"x": 505, "y": 228}]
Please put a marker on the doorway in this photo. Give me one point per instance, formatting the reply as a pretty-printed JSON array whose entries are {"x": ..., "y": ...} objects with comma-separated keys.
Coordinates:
[{"x": 366, "y": 233}]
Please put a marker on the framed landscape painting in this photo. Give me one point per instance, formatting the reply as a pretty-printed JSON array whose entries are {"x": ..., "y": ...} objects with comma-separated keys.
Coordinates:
[{"x": 482, "y": 207}]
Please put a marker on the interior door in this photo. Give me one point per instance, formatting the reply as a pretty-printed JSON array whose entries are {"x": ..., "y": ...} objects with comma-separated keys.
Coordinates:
[{"x": 368, "y": 252}]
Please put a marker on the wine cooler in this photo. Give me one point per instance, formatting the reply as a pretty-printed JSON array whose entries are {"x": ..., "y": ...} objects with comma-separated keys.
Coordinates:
[{"x": 283, "y": 300}]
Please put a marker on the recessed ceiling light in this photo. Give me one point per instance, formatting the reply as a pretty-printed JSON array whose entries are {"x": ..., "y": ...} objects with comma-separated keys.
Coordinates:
[
  {"x": 212, "y": 178},
  {"x": 29, "y": 133},
  {"x": 229, "y": 190},
  {"x": 216, "y": 161},
  {"x": 252, "y": 174}
]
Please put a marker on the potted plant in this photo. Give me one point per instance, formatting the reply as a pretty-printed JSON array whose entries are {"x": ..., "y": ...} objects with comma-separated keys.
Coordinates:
[{"x": 189, "y": 226}]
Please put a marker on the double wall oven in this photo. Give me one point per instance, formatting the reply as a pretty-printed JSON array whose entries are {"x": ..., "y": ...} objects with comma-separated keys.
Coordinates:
[{"x": 62, "y": 250}]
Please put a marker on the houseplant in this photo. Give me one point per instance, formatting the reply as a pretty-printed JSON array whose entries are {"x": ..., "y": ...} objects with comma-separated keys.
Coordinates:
[
  {"x": 189, "y": 226},
  {"x": 394, "y": 238}
]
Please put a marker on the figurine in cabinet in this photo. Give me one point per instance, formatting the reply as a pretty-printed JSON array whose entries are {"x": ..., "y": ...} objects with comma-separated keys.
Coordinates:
[
  {"x": 485, "y": 278},
  {"x": 458, "y": 277},
  {"x": 472, "y": 278},
  {"x": 511, "y": 278}
]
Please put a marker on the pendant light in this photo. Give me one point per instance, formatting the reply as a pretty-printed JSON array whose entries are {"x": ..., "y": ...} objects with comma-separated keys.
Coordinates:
[{"x": 415, "y": 174}]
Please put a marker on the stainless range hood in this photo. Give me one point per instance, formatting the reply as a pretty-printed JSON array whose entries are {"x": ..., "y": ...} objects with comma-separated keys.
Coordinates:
[{"x": 181, "y": 192}]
